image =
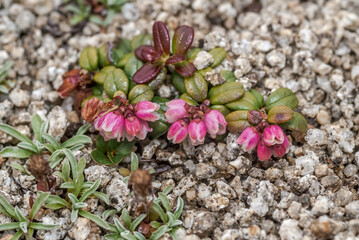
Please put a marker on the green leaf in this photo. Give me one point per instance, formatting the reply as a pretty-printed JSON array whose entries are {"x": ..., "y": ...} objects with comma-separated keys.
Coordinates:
[
  {"x": 9, "y": 226},
  {"x": 72, "y": 161},
  {"x": 126, "y": 218},
  {"x": 54, "y": 199},
  {"x": 137, "y": 222},
  {"x": 7, "y": 209},
  {"x": 140, "y": 93},
  {"x": 179, "y": 208},
  {"x": 15, "y": 152},
  {"x": 68, "y": 185},
  {"x": 66, "y": 170},
  {"x": 228, "y": 76},
  {"x": 280, "y": 114},
  {"x": 28, "y": 147},
  {"x": 42, "y": 226},
  {"x": 14, "y": 133},
  {"x": 91, "y": 190},
  {"x": 113, "y": 236},
  {"x": 134, "y": 162},
  {"x": 76, "y": 147},
  {"x": 80, "y": 205},
  {"x": 139, "y": 236},
  {"x": 52, "y": 141},
  {"x": 167, "y": 190},
  {"x": 78, "y": 184},
  {"x": 81, "y": 166},
  {"x": 19, "y": 167},
  {"x": 189, "y": 100},
  {"x": 226, "y": 93},
  {"x": 155, "y": 224},
  {"x": 247, "y": 102},
  {"x": 89, "y": 58},
  {"x": 159, "y": 128},
  {"x": 219, "y": 54},
  {"x": 96, "y": 219},
  {"x": 157, "y": 208},
  {"x": 141, "y": 39},
  {"x": 298, "y": 123},
  {"x": 165, "y": 202},
  {"x": 38, "y": 203},
  {"x": 282, "y": 96},
  {"x": 132, "y": 65},
  {"x": 82, "y": 139},
  {"x": 115, "y": 80},
  {"x": 128, "y": 235},
  {"x": 49, "y": 147},
  {"x": 119, "y": 225},
  {"x": 108, "y": 213},
  {"x": 20, "y": 215},
  {"x": 196, "y": 87},
  {"x": 258, "y": 96},
  {"x": 178, "y": 82},
  {"x": 159, "y": 79},
  {"x": 125, "y": 148},
  {"x": 159, "y": 233},
  {"x": 223, "y": 109},
  {"x": 100, "y": 157},
  {"x": 83, "y": 129},
  {"x": 17, "y": 235},
  {"x": 73, "y": 198},
  {"x": 36, "y": 123},
  {"x": 237, "y": 121},
  {"x": 74, "y": 215},
  {"x": 44, "y": 128}
]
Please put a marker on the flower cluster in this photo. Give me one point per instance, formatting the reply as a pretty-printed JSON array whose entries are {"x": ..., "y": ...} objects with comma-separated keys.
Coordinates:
[
  {"x": 119, "y": 119},
  {"x": 272, "y": 141},
  {"x": 193, "y": 122}
]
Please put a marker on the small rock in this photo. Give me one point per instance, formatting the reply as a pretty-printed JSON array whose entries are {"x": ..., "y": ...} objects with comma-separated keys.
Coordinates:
[
  {"x": 57, "y": 122},
  {"x": 306, "y": 40},
  {"x": 289, "y": 230},
  {"x": 203, "y": 60},
  {"x": 118, "y": 193},
  {"x": 130, "y": 12},
  {"x": 352, "y": 209},
  {"x": 350, "y": 170},
  {"x": 204, "y": 171},
  {"x": 214, "y": 78},
  {"x": 331, "y": 182},
  {"x": 164, "y": 91},
  {"x": 242, "y": 67},
  {"x": 276, "y": 59},
  {"x": 316, "y": 137},
  {"x": 216, "y": 202},
  {"x": 81, "y": 229},
  {"x": 20, "y": 98},
  {"x": 343, "y": 197},
  {"x": 262, "y": 45},
  {"x": 150, "y": 149},
  {"x": 96, "y": 172},
  {"x": 225, "y": 190},
  {"x": 204, "y": 223},
  {"x": 323, "y": 117}
]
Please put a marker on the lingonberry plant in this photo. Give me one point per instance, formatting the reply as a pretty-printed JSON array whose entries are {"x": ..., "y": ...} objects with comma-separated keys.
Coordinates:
[{"x": 261, "y": 123}]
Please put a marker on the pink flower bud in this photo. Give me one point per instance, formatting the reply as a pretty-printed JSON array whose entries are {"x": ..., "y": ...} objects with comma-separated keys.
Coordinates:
[
  {"x": 215, "y": 123},
  {"x": 110, "y": 125},
  {"x": 273, "y": 135},
  {"x": 197, "y": 131},
  {"x": 264, "y": 152},
  {"x": 133, "y": 127},
  {"x": 178, "y": 131},
  {"x": 143, "y": 130},
  {"x": 146, "y": 110},
  {"x": 281, "y": 149},
  {"x": 176, "y": 110},
  {"x": 249, "y": 139}
]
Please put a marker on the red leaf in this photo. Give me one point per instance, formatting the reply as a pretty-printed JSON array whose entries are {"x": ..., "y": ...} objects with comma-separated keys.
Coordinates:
[
  {"x": 185, "y": 68},
  {"x": 161, "y": 37},
  {"x": 145, "y": 53},
  {"x": 182, "y": 40},
  {"x": 146, "y": 73},
  {"x": 175, "y": 59}
]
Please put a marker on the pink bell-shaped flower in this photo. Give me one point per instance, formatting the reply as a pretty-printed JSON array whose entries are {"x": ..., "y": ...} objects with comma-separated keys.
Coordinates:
[
  {"x": 133, "y": 127},
  {"x": 176, "y": 110},
  {"x": 110, "y": 125},
  {"x": 272, "y": 135},
  {"x": 146, "y": 110},
  {"x": 144, "y": 129},
  {"x": 197, "y": 131},
  {"x": 178, "y": 131},
  {"x": 281, "y": 149},
  {"x": 264, "y": 152},
  {"x": 249, "y": 139},
  {"x": 215, "y": 123}
]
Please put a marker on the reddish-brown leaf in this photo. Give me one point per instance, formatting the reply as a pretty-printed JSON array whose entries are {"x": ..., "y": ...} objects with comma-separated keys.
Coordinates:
[
  {"x": 182, "y": 40},
  {"x": 161, "y": 37},
  {"x": 175, "y": 59},
  {"x": 185, "y": 68},
  {"x": 145, "y": 53},
  {"x": 146, "y": 73}
]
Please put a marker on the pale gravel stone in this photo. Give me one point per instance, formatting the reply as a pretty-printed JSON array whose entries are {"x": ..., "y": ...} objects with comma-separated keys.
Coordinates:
[
  {"x": 57, "y": 122},
  {"x": 81, "y": 229},
  {"x": 289, "y": 230},
  {"x": 118, "y": 193},
  {"x": 19, "y": 97},
  {"x": 96, "y": 172},
  {"x": 203, "y": 60}
]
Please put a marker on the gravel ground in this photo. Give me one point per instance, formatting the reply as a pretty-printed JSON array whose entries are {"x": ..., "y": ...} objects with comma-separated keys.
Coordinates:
[{"x": 311, "y": 47}]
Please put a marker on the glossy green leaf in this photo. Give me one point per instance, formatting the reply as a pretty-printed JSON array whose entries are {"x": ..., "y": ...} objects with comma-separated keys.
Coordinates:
[
  {"x": 132, "y": 65},
  {"x": 158, "y": 81},
  {"x": 219, "y": 54},
  {"x": 190, "y": 101},
  {"x": 226, "y": 93},
  {"x": 228, "y": 76},
  {"x": 159, "y": 128},
  {"x": 192, "y": 54},
  {"x": 103, "y": 54},
  {"x": 100, "y": 157},
  {"x": 258, "y": 96},
  {"x": 178, "y": 82},
  {"x": 115, "y": 80},
  {"x": 125, "y": 59},
  {"x": 298, "y": 123},
  {"x": 280, "y": 114},
  {"x": 140, "y": 93},
  {"x": 196, "y": 87},
  {"x": 223, "y": 109},
  {"x": 247, "y": 102},
  {"x": 89, "y": 59},
  {"x": 237, "y": 121},
  {"x": 141, "y": 39},
  {"x": 282, "y": 96}
]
